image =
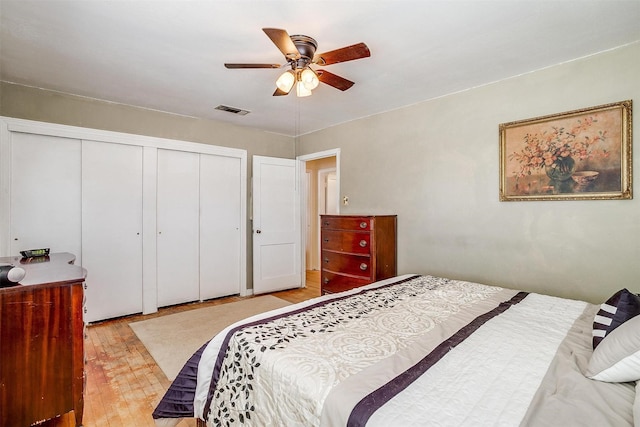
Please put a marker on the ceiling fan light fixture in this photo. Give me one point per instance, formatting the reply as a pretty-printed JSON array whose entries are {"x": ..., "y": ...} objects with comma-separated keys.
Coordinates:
[
  {"x": 300, "y": 53},
  {"x": 309, "y": 78},
  {"x": 301, "y": 90},
  {"x": 285, "y": 81}
]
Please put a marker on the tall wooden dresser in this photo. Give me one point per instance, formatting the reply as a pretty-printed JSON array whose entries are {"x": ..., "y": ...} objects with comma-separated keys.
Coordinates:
[
  {"x": 356, "y": 250},
  {"x": 41, "y": 342}
]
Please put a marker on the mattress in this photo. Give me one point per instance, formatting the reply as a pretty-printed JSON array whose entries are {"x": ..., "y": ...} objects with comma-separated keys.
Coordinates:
[{"x": 412, "y": 350}]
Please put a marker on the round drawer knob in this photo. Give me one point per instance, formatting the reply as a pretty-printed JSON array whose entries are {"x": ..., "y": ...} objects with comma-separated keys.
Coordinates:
[
  {"x": 363, "y": 224},
  {"x": 326, "y": 280},
  {"x": 363, "y": 266},
  {"x": 326, "y": 260},
  {"x": 363, "y": 243}
]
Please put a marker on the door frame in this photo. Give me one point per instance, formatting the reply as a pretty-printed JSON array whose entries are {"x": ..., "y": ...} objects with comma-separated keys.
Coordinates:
[{"x": 335, "y": 152}]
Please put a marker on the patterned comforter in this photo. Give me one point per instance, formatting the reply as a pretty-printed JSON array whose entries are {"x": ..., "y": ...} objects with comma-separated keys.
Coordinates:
[{"x": 413, "y": 350}]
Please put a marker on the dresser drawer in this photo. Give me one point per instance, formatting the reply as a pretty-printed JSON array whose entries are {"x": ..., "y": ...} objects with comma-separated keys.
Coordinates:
[
  {"x": 347, "y": 241},
  {"x": 346, "y": 223},
  {"x": 356, "y": 265},
  {"x": 332, "y": 283}
]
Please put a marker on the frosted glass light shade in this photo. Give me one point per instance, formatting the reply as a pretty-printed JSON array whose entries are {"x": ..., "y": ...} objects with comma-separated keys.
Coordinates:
[
  {"x": 301, "y": 90},
  {"x": 285, "y": 81},
  {"x": 309, "y": 78}
]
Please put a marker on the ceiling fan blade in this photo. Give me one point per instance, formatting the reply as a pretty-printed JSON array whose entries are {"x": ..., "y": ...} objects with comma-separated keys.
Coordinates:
[
  {"x": 233, "y": 66},
  {"x": 283, "y": 41},
  {"x": 279, "y": 92},
  {"x": 334, "y": 80},
  {"x": 349, "y": 53}
]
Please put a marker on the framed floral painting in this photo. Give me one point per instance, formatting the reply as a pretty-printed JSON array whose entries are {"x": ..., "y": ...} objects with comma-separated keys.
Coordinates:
[{"x": 582, "y": 154}]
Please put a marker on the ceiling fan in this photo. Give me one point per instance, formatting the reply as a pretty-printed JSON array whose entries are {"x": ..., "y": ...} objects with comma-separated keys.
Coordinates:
[{"x": 300, "y": 53}]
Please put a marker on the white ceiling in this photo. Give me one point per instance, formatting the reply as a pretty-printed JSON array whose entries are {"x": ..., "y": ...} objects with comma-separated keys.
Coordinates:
[{"x": 169, "y": 55}]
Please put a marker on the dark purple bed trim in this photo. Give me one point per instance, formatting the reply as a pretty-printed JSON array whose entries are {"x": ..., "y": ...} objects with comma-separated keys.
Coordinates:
[
  {"x": 376, "y": 399},
  {"x": 223, "y": 348},
  {"x": 177, "y": 402}
]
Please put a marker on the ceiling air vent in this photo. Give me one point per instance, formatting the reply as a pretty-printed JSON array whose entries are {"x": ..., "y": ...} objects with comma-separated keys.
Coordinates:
[{"x": 233, "y": 110}]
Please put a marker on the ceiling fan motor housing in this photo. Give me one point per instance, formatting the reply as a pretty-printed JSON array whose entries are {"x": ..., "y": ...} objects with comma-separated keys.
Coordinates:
[{"x": 307, "y": 47}]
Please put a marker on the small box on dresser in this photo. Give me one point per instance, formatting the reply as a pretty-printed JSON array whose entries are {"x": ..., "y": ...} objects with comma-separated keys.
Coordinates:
[{"x": 356, "y": 250}]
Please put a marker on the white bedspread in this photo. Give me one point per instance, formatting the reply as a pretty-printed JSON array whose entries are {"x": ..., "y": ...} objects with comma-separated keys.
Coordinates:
[
  {"x": 312, "y": 363},
  {"x": 490, "y": 378}
]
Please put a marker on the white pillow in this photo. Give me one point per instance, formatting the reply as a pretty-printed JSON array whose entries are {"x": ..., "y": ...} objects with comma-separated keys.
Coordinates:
[{"x": 617, "y": 357}]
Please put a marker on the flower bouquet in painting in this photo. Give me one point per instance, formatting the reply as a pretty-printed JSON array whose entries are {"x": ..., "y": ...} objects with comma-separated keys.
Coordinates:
[{"x": 558, "y": 150}]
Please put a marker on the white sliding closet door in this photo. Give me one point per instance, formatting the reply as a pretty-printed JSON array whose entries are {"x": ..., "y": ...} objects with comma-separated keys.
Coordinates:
[
  {"x": 220, "y": 238},
  {"x": 177, "y": 227},
  {"x": 45, "y": 193},
  {"x": 112, "y": 229}
]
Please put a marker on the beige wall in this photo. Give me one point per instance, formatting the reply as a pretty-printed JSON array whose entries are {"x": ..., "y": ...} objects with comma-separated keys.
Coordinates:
[
  {"x": 53, "y": 107},
  {"x": 436, "y": 165}
]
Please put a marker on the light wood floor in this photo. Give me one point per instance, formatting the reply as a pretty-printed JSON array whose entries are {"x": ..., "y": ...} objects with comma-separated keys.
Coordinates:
[{"x": 124, "y": 383}]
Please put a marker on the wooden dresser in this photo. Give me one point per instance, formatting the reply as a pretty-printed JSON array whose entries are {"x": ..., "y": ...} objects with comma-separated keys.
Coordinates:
[
  {"x": 41, "y": 342},
  {"x": 356, "y": 250}
]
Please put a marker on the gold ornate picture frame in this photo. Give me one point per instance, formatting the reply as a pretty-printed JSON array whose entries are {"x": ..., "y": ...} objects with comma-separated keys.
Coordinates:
[{"x": 578, "y": 155}]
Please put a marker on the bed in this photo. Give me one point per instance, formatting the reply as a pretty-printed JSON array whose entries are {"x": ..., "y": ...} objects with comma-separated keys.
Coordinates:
[{"x": 419, "y": 350}]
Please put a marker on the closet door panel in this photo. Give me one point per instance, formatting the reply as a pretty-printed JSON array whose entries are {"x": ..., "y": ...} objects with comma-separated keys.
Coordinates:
[
  {"x": 112, "y": 229},
  {"x": 45, "y": 193},
  {"x": 177, "y": 227},
  {"x": 220, "y": 239}
]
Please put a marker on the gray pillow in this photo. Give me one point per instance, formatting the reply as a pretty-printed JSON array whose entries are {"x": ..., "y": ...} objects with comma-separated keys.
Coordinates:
[{"x": 617, "y": 357}]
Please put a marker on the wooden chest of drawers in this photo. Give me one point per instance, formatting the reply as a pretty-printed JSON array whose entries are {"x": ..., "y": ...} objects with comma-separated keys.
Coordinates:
[
  {"x": 356, "y": 250},
  {"x": 42, "y": 343}
]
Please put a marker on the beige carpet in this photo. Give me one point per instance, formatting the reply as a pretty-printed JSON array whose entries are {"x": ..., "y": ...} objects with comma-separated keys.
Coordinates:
[{"x": 172, "y": 339}]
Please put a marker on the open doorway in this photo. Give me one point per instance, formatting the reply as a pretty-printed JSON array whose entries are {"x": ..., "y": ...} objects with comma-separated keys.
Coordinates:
[{"x": 323, "y": 196}]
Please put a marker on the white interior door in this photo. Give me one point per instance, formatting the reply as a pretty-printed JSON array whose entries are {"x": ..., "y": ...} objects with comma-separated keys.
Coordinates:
[
  {"x": 178, "y": 227},
  {"x": 331, "y": 194},
  {"x": 327, "y": 192},
  {"x": 276, "y": 225},
  {"x": 45, "y": 193},
  {"x": 112, "y": 229},
  {"x": 220, "y": 231}
]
